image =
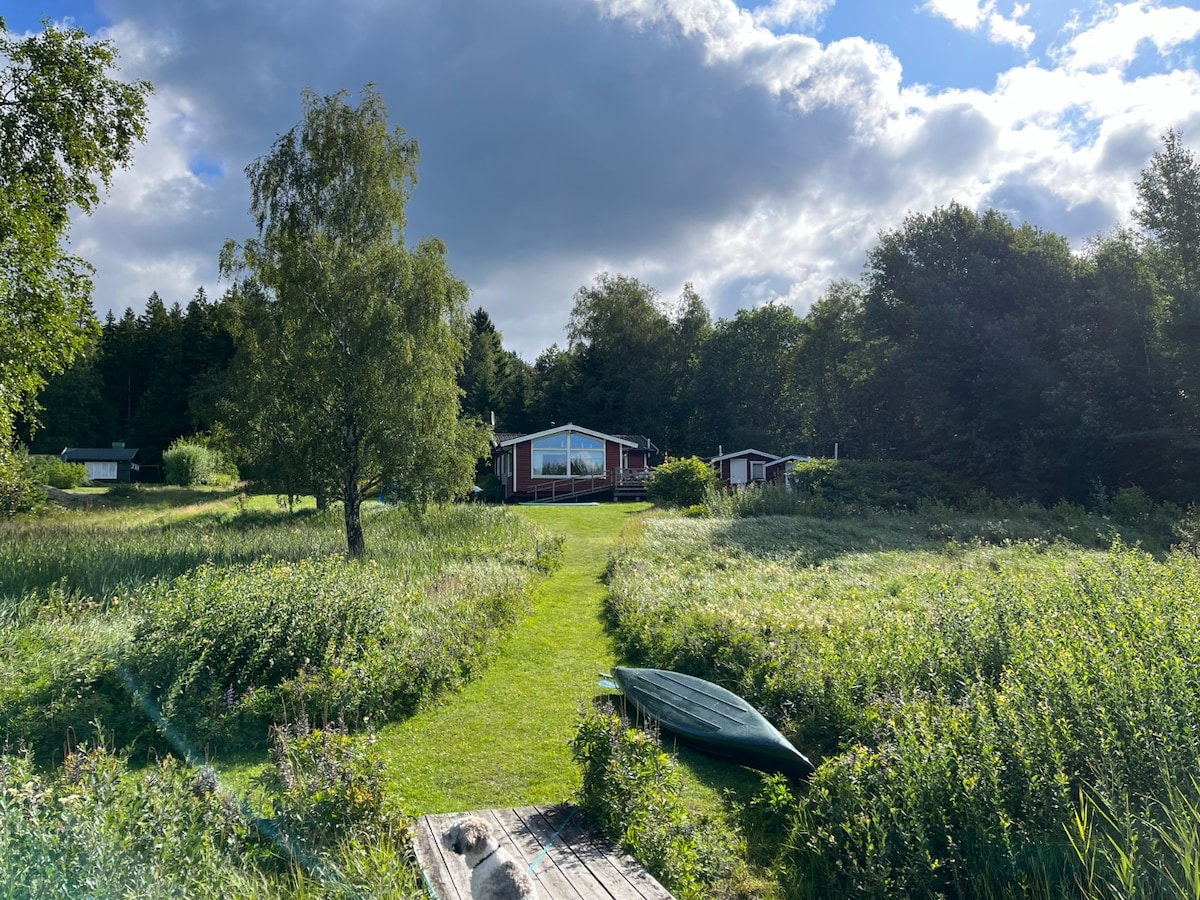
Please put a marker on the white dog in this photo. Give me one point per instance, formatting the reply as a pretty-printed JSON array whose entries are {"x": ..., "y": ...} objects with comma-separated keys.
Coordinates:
[{"x": 495, "y": 875}]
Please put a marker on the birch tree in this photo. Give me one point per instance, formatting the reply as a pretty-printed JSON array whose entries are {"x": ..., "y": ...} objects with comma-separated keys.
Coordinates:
[{"x": 350, "y": 344}]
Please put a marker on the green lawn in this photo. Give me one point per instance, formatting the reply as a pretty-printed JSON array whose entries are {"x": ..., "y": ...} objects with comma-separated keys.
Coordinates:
[{"x": 502, "y": 741}]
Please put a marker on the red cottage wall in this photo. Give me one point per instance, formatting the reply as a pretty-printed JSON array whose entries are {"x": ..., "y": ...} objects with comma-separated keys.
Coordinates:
[
  {"x": 612, "y": 458},
  {"x": 523, "y": 461},
  {"x": 636, "y": 459}
]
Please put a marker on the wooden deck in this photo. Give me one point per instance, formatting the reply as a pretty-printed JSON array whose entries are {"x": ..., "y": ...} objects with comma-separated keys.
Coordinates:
[{"x": 568, "y": 859}]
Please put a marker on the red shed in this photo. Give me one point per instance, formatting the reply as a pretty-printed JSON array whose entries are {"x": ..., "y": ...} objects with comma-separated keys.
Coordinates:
[{"x": 743, "y": 466}]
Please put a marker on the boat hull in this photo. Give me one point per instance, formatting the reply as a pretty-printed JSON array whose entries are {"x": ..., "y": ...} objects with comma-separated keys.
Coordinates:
[{"x": 709, "y": 718}]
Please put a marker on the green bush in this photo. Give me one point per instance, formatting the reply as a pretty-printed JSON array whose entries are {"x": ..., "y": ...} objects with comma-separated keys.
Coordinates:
[
  {"x": 633, "y": 792},
  {"x": 93, "y": 828},
  {"x": 97, "y": 827},
  {"x": 55, "y": 472},
  {"x": 830, "y": 485},
  {"x": 328, "y": 786},
  {"x": 221, "y": 652},
  {"x": 491, "y": 488},
  {"x": 188, "y": 463},
  {"x": 1131, "y": 506},
  {"x": 18, "y": 492},
  {"x": 681, "y": 482}
]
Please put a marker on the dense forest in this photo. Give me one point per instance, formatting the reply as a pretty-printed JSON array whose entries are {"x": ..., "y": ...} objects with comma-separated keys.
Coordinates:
[{"x": 990, "y": 350}]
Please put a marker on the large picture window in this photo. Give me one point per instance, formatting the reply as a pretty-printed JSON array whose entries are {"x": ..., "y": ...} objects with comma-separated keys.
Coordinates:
[
  {"x": 567, "y": 453},
  {"x": 101, "y": 471}
]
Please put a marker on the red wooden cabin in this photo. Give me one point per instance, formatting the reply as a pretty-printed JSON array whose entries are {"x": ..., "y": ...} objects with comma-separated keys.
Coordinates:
[{"x": 568, "y": 462}]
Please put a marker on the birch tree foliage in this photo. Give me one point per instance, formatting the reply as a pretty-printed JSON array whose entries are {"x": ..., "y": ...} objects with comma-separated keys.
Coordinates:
[
  {"x": 349, "y": 352},
  {"x": 67, "y": 122}
]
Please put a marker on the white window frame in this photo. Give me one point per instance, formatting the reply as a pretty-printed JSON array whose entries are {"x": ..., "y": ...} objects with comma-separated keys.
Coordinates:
[{"x": 758, "y": 470}]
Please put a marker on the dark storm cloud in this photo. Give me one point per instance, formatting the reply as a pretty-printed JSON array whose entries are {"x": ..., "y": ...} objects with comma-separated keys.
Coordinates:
[
  {"x": 953, "y": 140},
  {"x": 672, "y": 140},
  {"x": 1127, "y": 150},
  {"x": 537, "y": 121},
  {"x": 1039, "y": 206},
  {"x": 545, "y": 129}
]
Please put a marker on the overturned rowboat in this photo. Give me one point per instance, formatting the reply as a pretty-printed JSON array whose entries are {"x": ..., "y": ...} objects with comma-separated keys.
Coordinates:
[{"x": 709, "y": 718}]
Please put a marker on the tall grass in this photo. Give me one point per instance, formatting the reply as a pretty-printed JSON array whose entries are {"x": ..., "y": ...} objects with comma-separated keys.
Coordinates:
[
  {"x": 188, "y": 631},
  {"x": 211, "y": 626},
  {"x": 958, "y": 698},
  {"x": 103, "y": 553},
  {"x": 95, "y": 827}
]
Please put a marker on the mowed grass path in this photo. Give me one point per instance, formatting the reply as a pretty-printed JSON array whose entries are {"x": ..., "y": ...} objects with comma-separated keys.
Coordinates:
[{"x": 502, "y": 740}]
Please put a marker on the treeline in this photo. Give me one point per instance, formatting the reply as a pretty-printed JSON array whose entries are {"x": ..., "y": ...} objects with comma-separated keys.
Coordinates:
[
  {"x": 989, "y": 350},
  {"x": 146, "y": 380}
]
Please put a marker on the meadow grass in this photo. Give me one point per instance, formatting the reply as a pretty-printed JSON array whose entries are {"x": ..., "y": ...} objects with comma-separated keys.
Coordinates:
[
  {"x": 1000, "y": 704},
  {"x": 959, "y": 698},
  {"x": 185, "y": 622},
  {"x": 219, "y": 614},
  {"x": 104, "y": 551}
]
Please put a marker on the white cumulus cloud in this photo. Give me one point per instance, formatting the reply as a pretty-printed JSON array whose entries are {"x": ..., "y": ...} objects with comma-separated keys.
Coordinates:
[
  {"x": 974, "y": 15},
  {"x": 1116, "y": 37}
]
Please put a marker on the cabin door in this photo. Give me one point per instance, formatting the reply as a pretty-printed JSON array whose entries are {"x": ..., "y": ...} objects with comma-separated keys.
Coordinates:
[{"x": 738, "y": 471}]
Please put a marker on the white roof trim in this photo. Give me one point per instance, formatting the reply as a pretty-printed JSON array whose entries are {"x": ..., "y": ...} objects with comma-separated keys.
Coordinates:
[
  {"x": 771, "y": 457},
  {"x": 792, "y": 458},
  {"x": 568, "y": 427}
]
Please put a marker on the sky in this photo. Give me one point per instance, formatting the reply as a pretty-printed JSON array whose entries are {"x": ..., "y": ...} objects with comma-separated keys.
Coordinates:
[{"x": 755, "y": 150}]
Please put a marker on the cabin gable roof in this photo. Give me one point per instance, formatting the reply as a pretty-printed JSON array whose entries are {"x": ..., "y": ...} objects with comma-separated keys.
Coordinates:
[
  {"x": 768, "y": 457},
  {"x": 98, "y": 454},
  {"x": 509, "y": 440}
]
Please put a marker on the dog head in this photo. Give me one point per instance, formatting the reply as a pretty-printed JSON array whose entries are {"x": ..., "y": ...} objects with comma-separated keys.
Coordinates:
[{"x": 469, "y": 837}]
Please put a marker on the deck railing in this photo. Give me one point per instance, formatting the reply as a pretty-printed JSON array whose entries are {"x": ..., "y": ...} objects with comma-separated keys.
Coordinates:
[
  {"x": 564, "y": 488},
  {"x": 579, "y": 485},
  {"x": 631, "y": 477}
]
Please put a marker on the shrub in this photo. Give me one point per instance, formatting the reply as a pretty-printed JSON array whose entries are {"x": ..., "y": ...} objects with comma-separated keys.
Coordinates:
[
  {"x": 327, "y": 785},
  {"x": 55, "y": 472},
  {"x": 873, "y": 484},
  {"x": 18, "y": 492},
  {"x": 222, "y": 651},
  {"x": 186, "y": 463},
  {"x": 681, "y": 482},
  {"x": 1131, "y": 506},
  {"x": 93, "y": 828},
  {"x": 216, "y": 645},
  {"x": 97, "y": 827},
  {"x": 491, "y": 489},
  {"x": 633, "y": 792}
]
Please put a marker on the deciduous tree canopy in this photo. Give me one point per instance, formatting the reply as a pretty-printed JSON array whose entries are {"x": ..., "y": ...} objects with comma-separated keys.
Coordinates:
[
  {"x": 349, "y": 343},
  {"x": 66, "y": 124}
]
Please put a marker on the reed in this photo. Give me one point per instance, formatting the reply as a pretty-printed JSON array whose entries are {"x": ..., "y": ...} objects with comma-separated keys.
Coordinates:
[{"x": 958, "y": 695}]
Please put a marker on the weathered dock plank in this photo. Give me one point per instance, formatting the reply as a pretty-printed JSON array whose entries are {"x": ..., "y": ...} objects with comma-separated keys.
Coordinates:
[{"x": 567, "y": 858}]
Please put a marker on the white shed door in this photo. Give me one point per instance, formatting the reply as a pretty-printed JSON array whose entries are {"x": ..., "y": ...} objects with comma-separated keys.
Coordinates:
[{"x": 738, "y": 473}]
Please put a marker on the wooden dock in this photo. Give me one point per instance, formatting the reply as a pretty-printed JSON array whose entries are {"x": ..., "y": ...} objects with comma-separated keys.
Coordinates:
[{"x": 567, "y": 858}]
